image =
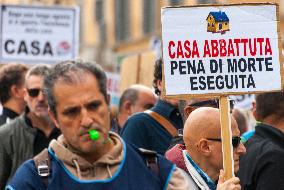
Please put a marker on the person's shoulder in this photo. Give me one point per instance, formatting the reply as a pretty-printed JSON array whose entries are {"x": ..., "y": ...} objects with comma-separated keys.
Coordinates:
[
  {"x": 3, "y": 119},
  {"x": 27, "y": 167},
  {"x": 25, "y": 177},
  {"x": 140, "y": 119},
  {"x": 179, "y": 179},
  {"x": 139, "y": 116},
  {"x": 263, "y": 145},
  {"x": 9, "y": 128},
  {"x": 263, "y": 150}
]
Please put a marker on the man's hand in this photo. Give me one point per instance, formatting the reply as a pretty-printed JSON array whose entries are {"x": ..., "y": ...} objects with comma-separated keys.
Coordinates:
[{"x": 230, "y": 184}]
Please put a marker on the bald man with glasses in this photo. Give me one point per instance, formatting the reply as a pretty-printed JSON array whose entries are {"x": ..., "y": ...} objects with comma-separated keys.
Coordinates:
[
  {"x": 201, "y": 155},
  {"x": 30, "y": 133}
]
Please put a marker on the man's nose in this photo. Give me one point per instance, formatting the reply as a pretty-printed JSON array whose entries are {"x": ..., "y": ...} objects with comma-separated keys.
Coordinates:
[
  {"x": 86, "y": 118},
  {"x": 41, "y": 96}
]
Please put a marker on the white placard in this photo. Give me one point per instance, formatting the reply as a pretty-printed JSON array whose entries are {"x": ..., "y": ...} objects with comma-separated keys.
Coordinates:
[
  {"x": 39, "y": 34},
  {"x": 113, "y": 87},
  {"x": 214, "y": 50}
]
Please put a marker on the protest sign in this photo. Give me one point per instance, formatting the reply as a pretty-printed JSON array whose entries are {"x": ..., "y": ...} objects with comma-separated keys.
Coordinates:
[
  {"x": 221, "y": 50},
  {"x": 38, "y": 34},
  {"x": 113, "y": 87},
  {"x": 137, "y": 69},
  {"x": 217, "y": 50}
]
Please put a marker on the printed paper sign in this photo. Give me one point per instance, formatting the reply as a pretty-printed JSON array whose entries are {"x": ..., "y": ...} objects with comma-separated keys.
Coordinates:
[
  {"x": 39, "y": 34},
  {"x": 214, "y": 50},
  {"x": 113, "y": 87}
]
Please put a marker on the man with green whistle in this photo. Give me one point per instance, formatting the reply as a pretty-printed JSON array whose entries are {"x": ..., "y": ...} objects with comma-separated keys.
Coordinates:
[{"x": 87, "y": 155}]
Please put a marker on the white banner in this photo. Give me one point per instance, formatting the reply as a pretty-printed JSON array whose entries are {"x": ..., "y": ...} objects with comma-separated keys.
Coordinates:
[
  {"x": 35, "y": 34},
  {"x": 214, "y": 50}
]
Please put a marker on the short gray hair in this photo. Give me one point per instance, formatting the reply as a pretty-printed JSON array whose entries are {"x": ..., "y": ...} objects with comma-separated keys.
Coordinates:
[{"x": 67, "y": 72}]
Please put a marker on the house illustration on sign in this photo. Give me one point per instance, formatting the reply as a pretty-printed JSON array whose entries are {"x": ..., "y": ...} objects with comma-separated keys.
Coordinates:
[{"x": 217, "y": 22}]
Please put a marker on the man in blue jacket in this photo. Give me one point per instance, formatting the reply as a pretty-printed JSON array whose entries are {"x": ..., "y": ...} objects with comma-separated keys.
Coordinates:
[{"x": 87, "y": 156}]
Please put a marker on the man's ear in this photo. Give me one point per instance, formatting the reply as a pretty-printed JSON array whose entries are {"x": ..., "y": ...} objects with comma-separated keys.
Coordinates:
[
  {"x": 53, "y": 118},
  {"x": 187, "y": 110},
  {"x": 108, "y": 99},
  {"x": 160, "y": 85},
  {"x": 254, "y": 113},
  {"x": 204, "y": 147},
  {"x": 26, "y": 94},
  {"x": 127, "y": 107},
  {"x": 15, "y": 92}
]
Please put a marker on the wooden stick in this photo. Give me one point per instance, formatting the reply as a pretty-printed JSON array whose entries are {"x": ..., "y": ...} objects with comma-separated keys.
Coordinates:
[{"x": 226, "y": 133}]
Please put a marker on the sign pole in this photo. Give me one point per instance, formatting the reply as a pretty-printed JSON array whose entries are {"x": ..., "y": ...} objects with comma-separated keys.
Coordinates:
[{"x": 226, "y": 134}]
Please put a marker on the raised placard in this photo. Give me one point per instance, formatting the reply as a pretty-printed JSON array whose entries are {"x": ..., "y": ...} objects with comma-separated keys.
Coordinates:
[{"x": 221, "y": 50}]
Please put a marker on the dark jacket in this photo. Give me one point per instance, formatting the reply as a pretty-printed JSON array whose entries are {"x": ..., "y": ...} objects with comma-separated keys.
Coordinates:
[
  {"x": 126, "y": 177},
  {"x": 17, "y": 144},
  {"x": 7, "y": 115},
  {"x": 145, "y": 132},
  {"x": 262, "y": 167}
]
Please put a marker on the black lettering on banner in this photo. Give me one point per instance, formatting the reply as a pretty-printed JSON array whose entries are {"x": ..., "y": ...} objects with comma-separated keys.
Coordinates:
[
  {"x": 236, "y": 82},
  {"x": 268, "y": 62},
  {"x": 227, "y": 81},
  {"x": 47, "y": 49},
  {"x": 213, "y": 66},
  {"x": 210, "y": 82},
  {"x": 182, "y": 67},
  {"x": 9, "y": 51},
  {"x": 232, "y": 65},
  {"x": 220, "y": 66},
  {"x": 219, "y": 82},
  {"x": 242, "y": 77},
  {"x": 250, "y": 82},
  {"x": 193, "y": 82},
  {"x": 22, "y": 48},
  {"x": 202, "y": 82},
  {"x": 191, "y": 69},
  {"x": 251, "y": 64},
  {"x": 174, "y": 66},
  {"x": 259, "y": 60},
  {"x": 242, "y": 65},
  {"x": 35, "y": 48},
  {"x": 200, "y": 67}
]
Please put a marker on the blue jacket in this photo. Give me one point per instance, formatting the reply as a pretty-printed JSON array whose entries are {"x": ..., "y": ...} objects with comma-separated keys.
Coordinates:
[
  {"x": 145, "y": 132},
  {"x": 131, "y": 174}
]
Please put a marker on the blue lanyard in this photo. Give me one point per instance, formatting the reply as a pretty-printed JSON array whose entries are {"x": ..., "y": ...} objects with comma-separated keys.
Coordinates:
[{"x": 205, "y": 177}]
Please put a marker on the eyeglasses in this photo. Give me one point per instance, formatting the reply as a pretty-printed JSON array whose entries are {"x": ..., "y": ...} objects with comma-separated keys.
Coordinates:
[
  {"x": 34, "y": 92},
  {"x": 235, "y": 141},
  {"x": 214, "y": 103}
]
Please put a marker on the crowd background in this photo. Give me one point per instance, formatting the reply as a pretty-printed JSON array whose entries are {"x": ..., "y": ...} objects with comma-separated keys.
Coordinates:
[{"x": 123, "y": 37}]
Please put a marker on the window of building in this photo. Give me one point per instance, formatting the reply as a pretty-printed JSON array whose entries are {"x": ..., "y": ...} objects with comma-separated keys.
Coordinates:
[
  {"x": 99, "y": 15},
  {"x": 121, "y": 20},
  {"x": 149, "y": 7},
  {"x": 207, "y": 2},
  {"x": 175, "y": 2}
]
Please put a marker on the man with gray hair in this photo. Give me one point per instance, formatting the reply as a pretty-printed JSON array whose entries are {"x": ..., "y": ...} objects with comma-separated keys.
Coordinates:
[
  {"x": 29, "y": 133},
  {"x": 87, "y": 155}
]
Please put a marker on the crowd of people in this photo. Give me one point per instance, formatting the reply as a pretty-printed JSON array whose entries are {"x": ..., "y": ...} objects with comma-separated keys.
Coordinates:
[{"x": 151, "y": 143}]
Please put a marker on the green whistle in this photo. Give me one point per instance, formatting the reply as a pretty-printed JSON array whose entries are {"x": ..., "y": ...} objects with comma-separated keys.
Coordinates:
[{"x": 94, "y": 134}]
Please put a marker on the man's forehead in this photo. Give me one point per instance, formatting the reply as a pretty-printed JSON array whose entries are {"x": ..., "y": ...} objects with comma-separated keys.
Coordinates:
[{"x": 34, "y": 79}]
